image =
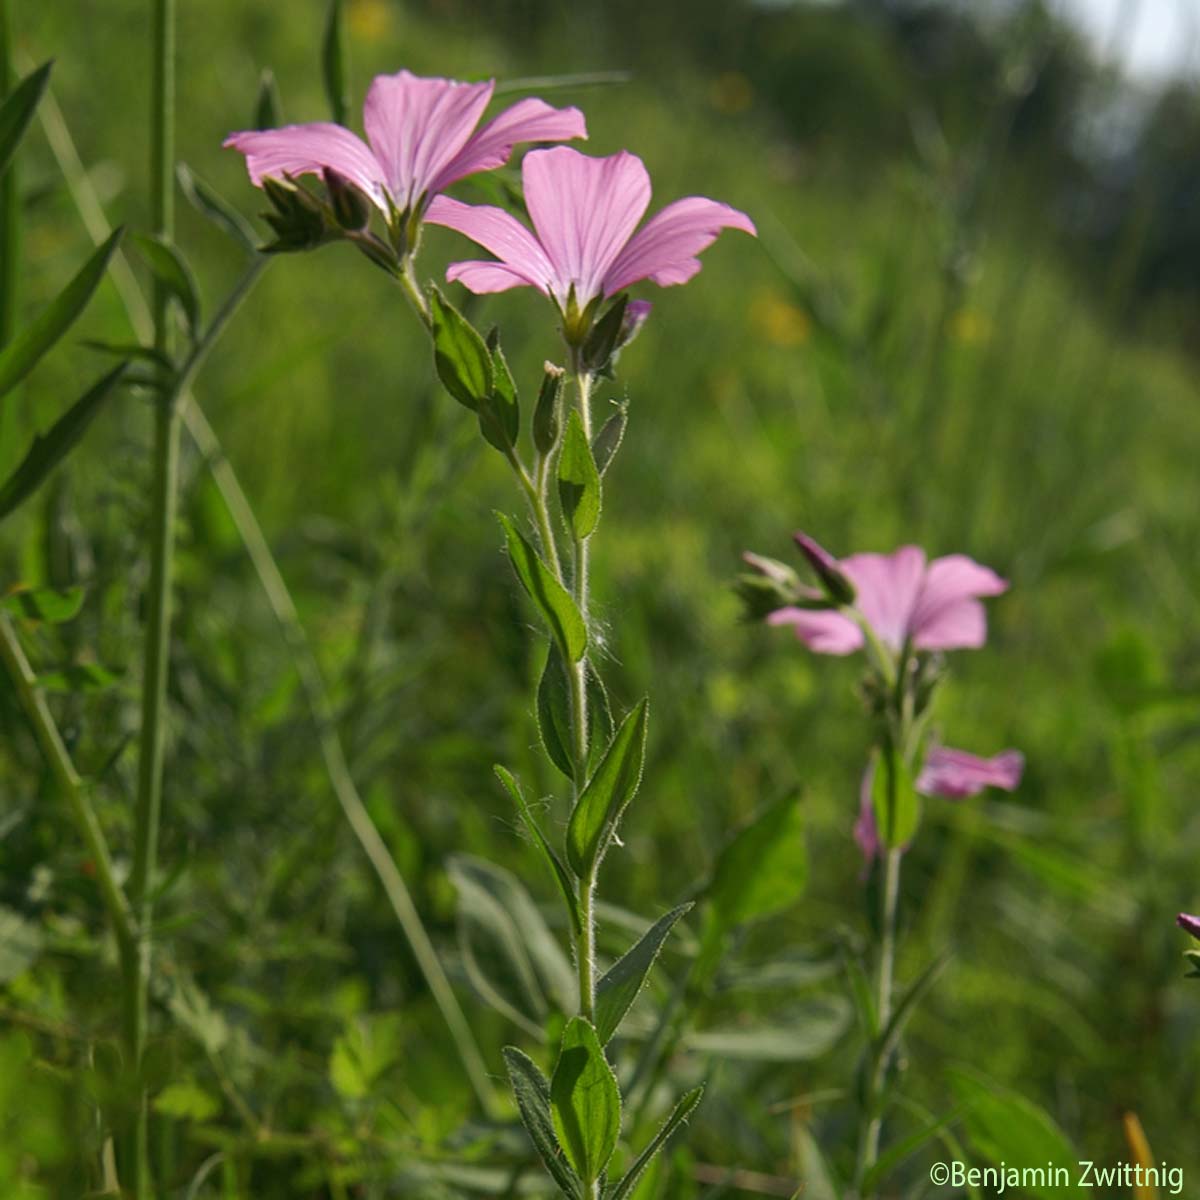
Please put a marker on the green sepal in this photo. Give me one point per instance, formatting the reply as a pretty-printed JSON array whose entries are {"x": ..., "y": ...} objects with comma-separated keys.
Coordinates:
[
  {"x": 585, "y": 1103},
  {"x": 894, "y": 798},
  {"x": 460, "y": 355},
  {"x": 552, "y": 599},
  {"x": 578, "y": 480},
  {"x": 619, "y": 986},
  {"x": 601, "y": 343},
  {"x": 608, "y": 793}
]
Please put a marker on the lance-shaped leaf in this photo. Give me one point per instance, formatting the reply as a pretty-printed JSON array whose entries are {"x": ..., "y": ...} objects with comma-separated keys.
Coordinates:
[
  {"x": 585, "y": 1102},
  {"x": 17, "y": 111},
  {"x": 551, "y": 859},
  {"x": 681, "y": 1112},
  {"x": 214, "y": 207},
  {"x": 621, "y": 983},
  {"x": 460, "y": 355},
  {"x": 500, "y": 409},
  {"x": 608, "y": 441},
  {"x": 895, "y": 800},
  {"x": 268, "y": 107},
  {"x": 333, "y": 63},
  {"x": 532, "y": 1091},
  {"x": 552, "y": 599},
  {"x": 50, "y": 606},
  {"x": 578, "y": 480},
  {"x": 908, "y": 1004},
  {"x": 608, "y": 793},
  {"x": 20, "y": 356},
  {"x": 554, "y": 713},
  {"x": 763, "y": 869},
  {"x": 171, "y": 269},
  {"x": 50, "y": 448}
]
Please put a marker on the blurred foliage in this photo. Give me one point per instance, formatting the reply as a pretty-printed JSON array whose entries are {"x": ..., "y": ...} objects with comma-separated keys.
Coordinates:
[{"x": 965, "y": 325}]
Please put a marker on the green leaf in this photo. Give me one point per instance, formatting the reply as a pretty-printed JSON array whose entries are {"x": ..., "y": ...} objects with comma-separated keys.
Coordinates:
[
  {"x": 608, "y": 793},
  {"x": 511, "y": 957},
  {"x": 78, "y": 677},
  {"x": 532, "y": 1091},
  {"x": 333, "y": 63},
  {"x": 460, "y": 355},
  {"x": 17, "y": 111},
  {"x": 813, "y": 1030},
  {"x": 551, "y": 859},
  {"x": 608, "y": 441},
  {"x": 500, "y": 410},
  {"x": 215, "y": 208},
  {"x": 763, "y": 869},
  {"x": 585, "y": 1102},
  {"x": 20, "y": 356},
  {"x": 554, "y": 713},
  {"x": 578, "y": 480},
  {"x": 622, "y": 982},
  {"x": 552, "y": 599},
  {"x": 268, "y": 108},
  {"x": 908, "y": 1003},
  {"x": 52, "y": 606},
  {"x": 680, "y": 1113},
  {"x": 171, "y": 269},
  {"x": 1193, "y": 957},
  {"x": 133, "y": 350},
  {"x": 897, "y": 805},
  {"x": 363, "y": 1052},
  {"x": 50, "y": 448},
  {"x": 905, "y": 1149},
  {"x": 1005, "y": 1127},
  {"x": 186, "y": 1102},
  {"x": 20, "y": 944}
]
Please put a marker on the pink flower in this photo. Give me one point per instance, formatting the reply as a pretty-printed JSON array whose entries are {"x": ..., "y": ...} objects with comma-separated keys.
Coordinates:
[
  {"x": 584, "y": 246},
  {"x": 954, "y": 774},
  {"x": 903, "y": 598},
  {"x": 421, "y": 138},
  {"x": 1189, "y": 925}
]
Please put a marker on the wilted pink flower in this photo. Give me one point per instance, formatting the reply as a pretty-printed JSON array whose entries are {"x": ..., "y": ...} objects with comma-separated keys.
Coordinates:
[
  {"x": 903, "y": 598},
  {"x": 583, "y": 247},
  {"x": 421, "y": 138},
  {"x": 954, "y": 774},
  {"x": 1189, "y": 925}
]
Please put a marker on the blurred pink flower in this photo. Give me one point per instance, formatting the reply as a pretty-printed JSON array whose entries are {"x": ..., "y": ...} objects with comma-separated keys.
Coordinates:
[
  {"x": 902, "y": 597},
  {"x": 1189, "y": 925},
  {"x": 954, "y": 774},
  {"x": 421, "y": 138},
  {"x": 583, "y": 247}
]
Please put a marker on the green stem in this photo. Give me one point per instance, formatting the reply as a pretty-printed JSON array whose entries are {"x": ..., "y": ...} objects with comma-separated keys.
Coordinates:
[
  {"x": 412, "y": 289},
  {"x": 279, "y": 598},
  {"x": 10, "y": 212},
  {"x": 69, "y": 783},
  {"x": 158, "y": 623}
]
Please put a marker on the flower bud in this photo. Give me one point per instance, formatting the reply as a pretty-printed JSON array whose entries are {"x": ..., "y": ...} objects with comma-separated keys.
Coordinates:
[
  {"x": 545, "y": 415},
  {"x": 299, "y": 219},
  {"x": 771, "y": 586},
  {"x": 833, "y": 579},
  {"x": 1189, "y": 925},
  {"x": 351, "y": 209}
]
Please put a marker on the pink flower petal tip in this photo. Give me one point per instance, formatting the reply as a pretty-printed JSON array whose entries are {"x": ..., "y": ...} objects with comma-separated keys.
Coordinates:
[
  {"x": 1189, "y": 924},
  {"x": 956, "y": 774}
]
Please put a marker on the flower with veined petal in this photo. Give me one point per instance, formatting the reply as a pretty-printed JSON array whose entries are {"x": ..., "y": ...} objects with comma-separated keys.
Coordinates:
[
  {"x": 904, "y": 599},
  {"x": 585, "y": 245},
  {"x": 422, "y": 136}
]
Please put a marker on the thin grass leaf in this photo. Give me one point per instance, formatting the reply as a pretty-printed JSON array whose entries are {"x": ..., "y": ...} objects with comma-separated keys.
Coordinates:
[
  {"x": 908, "y": 1003},
  {"x": 333, "y": 63},
  {"x": 680, "y": 1113},
  {"x": 18, "y": 109},
  {"x": 22, "y": 354},
  {"x": 215, "y": 208},
  {"x": 50, "y": 448},
  {"x": 268, "y": 107}
]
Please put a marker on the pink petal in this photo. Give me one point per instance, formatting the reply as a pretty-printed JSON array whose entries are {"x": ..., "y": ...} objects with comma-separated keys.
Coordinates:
[
  {"x": 1189, "y": 924},
  {"x": 664, "y": 250},
  {"x": 417, "y": 126},
  {"x": 947, "y": 615},
  {"x": 527, "y": 121},
  {"x": 955, "y": 773},
  {"x": 497, "y": 231},
  {"x": 484, "y": 277},
  {"x": 308, "y": 150},
  {"x": 584, "y": 210},
  {"x": 887, "y": 587},
  {"x": 821, "y": 630}
]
